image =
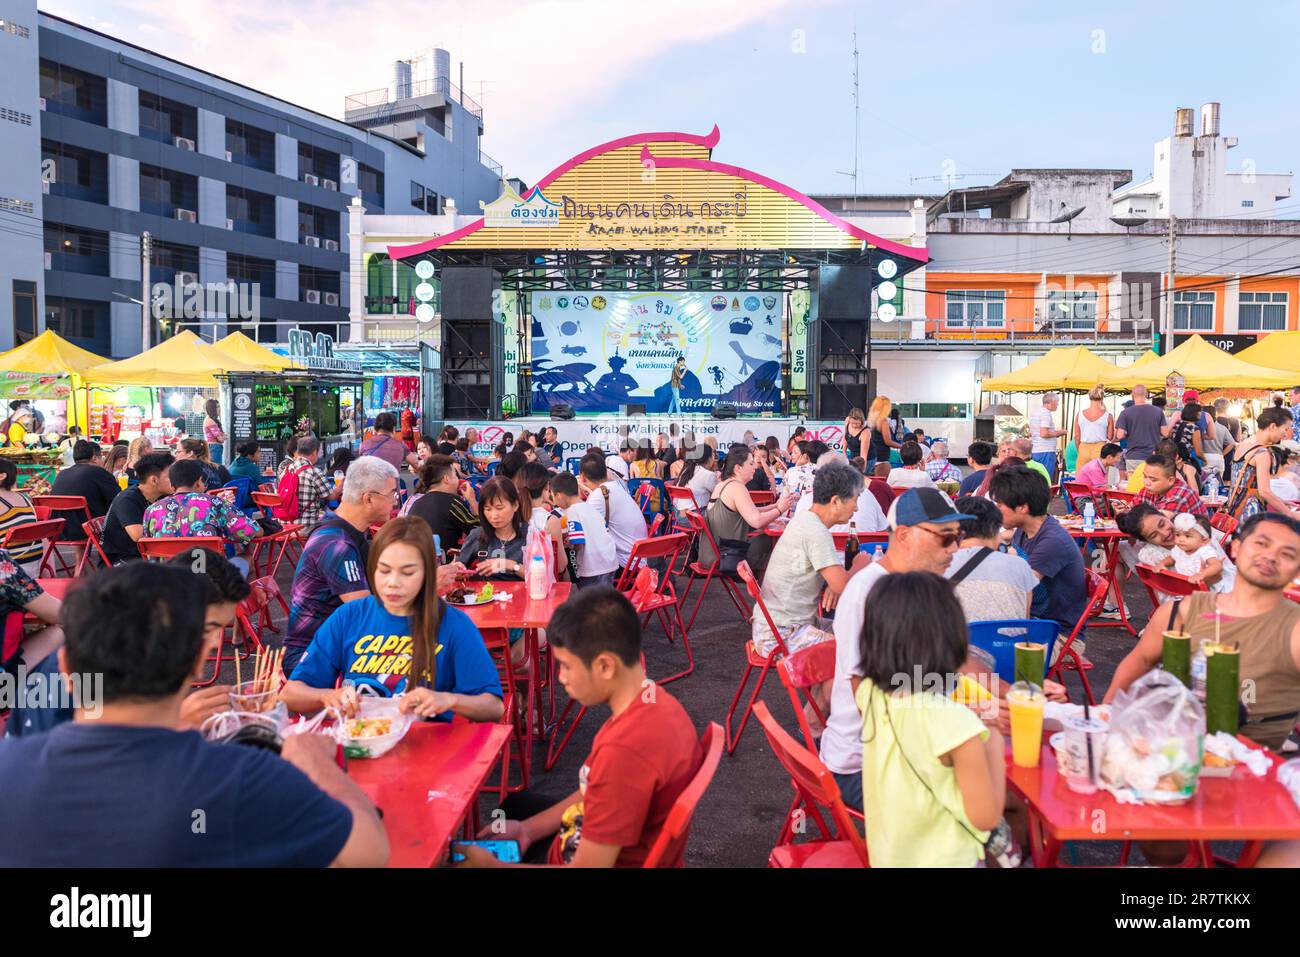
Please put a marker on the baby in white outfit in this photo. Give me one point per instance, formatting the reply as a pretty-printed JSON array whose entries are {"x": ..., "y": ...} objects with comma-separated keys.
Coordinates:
[{"x": 1196, "y": 556}]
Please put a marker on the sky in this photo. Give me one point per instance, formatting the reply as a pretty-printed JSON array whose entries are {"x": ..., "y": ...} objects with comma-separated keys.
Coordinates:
[{"x": 950, "y": 91}]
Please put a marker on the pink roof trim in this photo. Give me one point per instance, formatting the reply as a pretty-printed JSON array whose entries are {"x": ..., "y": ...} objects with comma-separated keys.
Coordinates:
[{"x": 710, "y": 141}]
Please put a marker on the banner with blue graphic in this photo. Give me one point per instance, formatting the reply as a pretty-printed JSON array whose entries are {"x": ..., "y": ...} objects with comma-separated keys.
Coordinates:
[{"x": 678, "y": 352}]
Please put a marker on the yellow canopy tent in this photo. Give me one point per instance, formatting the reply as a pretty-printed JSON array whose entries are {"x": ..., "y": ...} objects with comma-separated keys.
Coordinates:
[
  {"x": 1202, "y": 366},
  {"x": 1149, "y": 356},
  {"x": 184, "y": 359},
  {"x": 1277, "y": 350},
  {"x": 51, "y": 354},
  {"x": 1069, "y": 370},
  {"x": 241, "y": 347}
]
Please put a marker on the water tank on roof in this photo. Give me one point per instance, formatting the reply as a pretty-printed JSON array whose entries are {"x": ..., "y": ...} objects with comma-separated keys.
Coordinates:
[
  {"x": 1183, "y": 121},
  {"x": 441, "y": 67},
  {"x": 1210, "y": 119},
  {"x": 401, "y": 79}
]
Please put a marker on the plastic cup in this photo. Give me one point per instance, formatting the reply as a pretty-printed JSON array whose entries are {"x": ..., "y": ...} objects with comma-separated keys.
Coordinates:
[
  {"x": 1083, "y": 763},
  {"x": 1025, "y": 702},
  {"x": 1031, "y": 661},
  {"x": 244, "y": 698},
  {"x": 1176, "y": 656}
]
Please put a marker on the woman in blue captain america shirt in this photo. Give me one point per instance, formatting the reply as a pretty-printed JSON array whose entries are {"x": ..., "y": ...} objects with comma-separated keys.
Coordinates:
[{"x": 400, "y": 640}]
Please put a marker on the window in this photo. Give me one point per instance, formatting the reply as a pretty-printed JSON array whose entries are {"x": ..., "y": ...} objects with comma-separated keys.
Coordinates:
[
  {"x": 164, "y": 191},
  {"x": 251, "y": 270},
  {"x": 379, "y": 283},
  {"x": 417, "y": 195},
  {"x": 423, "y": 198},
  {"x": 1261, "y": 311},
  {"x": 250, "y": 146},
  {"x": 318, "y": 162},
  {"x": 1069, "y": 309},
  {"x": 75, "y": 173},
  {"x": 250, "y": 211},
  {"x": 1247, "y": 203},
  {"x": 76, "y": 250},
  {"x": 985, "y": 308},
  {"x": 79, "y": 319},
  {"x": 167, "y": 259},
  {"x": 24, "y": 311},
  {"x": 70, "y": 92},
  {"x": 1194, "y": 310},
  {"x": 320, "y": 223},
  {"x": 164, "y": 120},
  {"x": 371, "y": 183}
]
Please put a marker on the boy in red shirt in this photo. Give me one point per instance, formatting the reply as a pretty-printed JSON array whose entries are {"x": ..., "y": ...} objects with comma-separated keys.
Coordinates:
[{"x": 640, "y": 761}]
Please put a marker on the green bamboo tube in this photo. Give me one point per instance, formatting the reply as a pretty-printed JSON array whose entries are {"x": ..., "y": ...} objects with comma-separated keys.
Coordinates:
[
  {"x": 1222, "y": 684},
  {"x": 1176, "y": 656},
  {"x": 1031, "y": 661}
]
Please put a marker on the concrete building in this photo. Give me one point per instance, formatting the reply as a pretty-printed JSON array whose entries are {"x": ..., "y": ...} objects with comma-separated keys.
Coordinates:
[{"x": 238, "y": 190}]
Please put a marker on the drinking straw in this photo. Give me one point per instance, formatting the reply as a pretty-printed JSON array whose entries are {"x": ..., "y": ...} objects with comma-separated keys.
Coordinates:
[
  {"x": 238, "y": 680},
  {"x": 1087, "y": 737}
]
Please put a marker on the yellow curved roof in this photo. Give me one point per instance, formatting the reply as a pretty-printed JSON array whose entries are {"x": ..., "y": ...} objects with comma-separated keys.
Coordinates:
[
  {"x": 241, "y": 347},
  {"x": 184, "y": 359},
  {"x": 49, "y": 353},
  {"x": 1075, "y": 369},
  {"x": 1277, "y": 350}
]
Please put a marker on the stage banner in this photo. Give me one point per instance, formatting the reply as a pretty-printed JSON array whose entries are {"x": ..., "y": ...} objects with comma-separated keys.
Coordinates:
[
  {"x": 800, "y": 315},
  {"x": 599, "y": 350},
  {"x": 505, "y": 307}
]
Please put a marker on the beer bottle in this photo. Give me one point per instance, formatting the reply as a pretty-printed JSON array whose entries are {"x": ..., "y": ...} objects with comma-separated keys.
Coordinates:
[{"x": 851, "y": 546}]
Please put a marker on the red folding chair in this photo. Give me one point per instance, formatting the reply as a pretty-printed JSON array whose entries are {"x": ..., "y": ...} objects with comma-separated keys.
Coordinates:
[
  {"x": 762, "y": 498},
  {"x": 1074, "y": 491},
  {"x": 47, "y": 531},
  {"x": 1224, "y": 522},
  {"x": 65, "y": 503},
  {"x": 672, "y": 837},
  {"x": 1159, "y": 581},
  {"x": 263, "y": 595},
  {"x": 94, "y": 530},
  {"x": 497, "y": 641},
  {"x": 815, "y": 791},
  {"x": 683, "y": 500},
  {"x": 655, "y": 524},
  {"x": 799, "y": 672},
  {"x": 700, "y": 571},
  {"x": 753, "y": 659},
  {"x": 286, "y": 539},
  {"x": 1070, "y": 659},
  {"x": 228, "y": 495},
  {"x": 165, "y": 547},
  {"x": 1113, "y": 496}
]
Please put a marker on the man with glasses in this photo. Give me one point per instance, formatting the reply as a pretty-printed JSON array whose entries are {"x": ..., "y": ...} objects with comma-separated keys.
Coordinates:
[
  {"x": 1053, "y": 555},
  {"x": 923, "y": 535},
  {"x": 332, "y": 568}
]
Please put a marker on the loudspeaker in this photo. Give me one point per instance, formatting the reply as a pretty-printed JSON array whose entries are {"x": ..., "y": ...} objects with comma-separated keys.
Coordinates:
[
  {"x": 844, "y": 292},
  {"x": 839, "y": 337},
  {"x": 562, "y": 411},
  {"x": 724, "y": 410},
  {"x": 837, "y": 400},
  {"x": 467, "y": 293}
]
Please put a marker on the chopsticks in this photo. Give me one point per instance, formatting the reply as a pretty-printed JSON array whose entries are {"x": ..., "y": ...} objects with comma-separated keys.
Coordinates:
[{"x": 268, "y": 672}]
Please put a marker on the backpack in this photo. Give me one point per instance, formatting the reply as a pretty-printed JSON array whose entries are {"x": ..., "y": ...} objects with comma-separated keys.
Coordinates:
[{"x": 287, "y": 489}]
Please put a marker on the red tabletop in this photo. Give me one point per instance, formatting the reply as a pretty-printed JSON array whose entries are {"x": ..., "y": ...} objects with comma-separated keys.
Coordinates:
[
  {"x": 1237, "y": 808},
  {"x": 520, "y": 611},
  {"x": 58, "y": 587},
  {"x": 426, "y": 785},
  {"x": 775, "y": 529}
]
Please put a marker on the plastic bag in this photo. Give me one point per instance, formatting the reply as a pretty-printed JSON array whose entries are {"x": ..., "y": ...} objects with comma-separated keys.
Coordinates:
[
  {"x": 540, "y": 543},
  {"x": 1156, "y": 742},
  {"x": 355, "y": 733}
]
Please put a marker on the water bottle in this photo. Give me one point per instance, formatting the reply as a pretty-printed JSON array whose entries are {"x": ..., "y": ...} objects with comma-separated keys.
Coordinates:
[
  {"x": 1198, "y": 670},
  {"x": 538, "y": 586},
  {"x": 1089, "y": 516},
  {"x": 878, "y": 554}
]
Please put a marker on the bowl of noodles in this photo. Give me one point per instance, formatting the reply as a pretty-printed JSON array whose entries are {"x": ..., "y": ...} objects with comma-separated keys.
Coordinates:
[{"x": 376, "y": 730}]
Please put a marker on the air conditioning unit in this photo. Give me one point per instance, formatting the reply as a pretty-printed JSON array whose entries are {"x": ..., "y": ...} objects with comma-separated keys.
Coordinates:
[
  {"x": 312, "y": 296},
  {"x": 49, "y": 260},
  {"x": 184, "y": 143},
  {"x": 330, "y": 184},
  {"x": 311, "y": 241},
  {"x": 187, "y": 216},
  {"x": 332, "y": 245},
  {"x": 311, "y": 179},
  {"x": 42, "y": 104},
  {"x": 187, "y": 279},
  {"x": 229, "y": 156},
  {"x": 331, "y": 298},
  {"x": 230, "y": 224}
]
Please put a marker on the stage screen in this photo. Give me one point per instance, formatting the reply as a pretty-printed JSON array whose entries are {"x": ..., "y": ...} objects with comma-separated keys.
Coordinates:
[{"x": 599, "y": 349}]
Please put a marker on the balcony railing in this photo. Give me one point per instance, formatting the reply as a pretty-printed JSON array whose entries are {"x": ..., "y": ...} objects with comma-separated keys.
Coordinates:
[
  {"x": 373, "y": 101},
  {"x": 1065, "y": 332}
]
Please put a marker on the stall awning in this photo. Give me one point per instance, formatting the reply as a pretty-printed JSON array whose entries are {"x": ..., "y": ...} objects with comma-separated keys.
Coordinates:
[
  {"x": 49, "y": 354},
  {"x": 184, "y": 359},
  {"x": 1277, "y": 350},
  {"x": 1070, "y": 370},
  {"x": 241, "y": 347},
  {"x": 1202, "y": 366},
  {"x": 1149, "y": 356}
]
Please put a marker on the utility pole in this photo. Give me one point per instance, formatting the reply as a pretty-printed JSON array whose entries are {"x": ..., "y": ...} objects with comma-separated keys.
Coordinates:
[
  {"x": 146, "y": 324},
  {"x": 1168, "y": 311}
]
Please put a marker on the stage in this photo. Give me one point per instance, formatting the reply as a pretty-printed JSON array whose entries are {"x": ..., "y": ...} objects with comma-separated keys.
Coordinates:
[{"x": 608, "y": 431}]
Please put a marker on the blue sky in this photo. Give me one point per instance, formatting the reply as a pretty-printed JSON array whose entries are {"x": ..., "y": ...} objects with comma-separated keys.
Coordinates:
[{"x": 946, "y": 86}]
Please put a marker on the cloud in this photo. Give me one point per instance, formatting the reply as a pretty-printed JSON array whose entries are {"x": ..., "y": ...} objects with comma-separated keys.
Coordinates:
[{"x": 543, "y": 63}]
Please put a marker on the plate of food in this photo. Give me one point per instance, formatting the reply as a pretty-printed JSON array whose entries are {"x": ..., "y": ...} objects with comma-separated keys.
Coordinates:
[
  {"x": 466, "y": 597},
  {"x": 375, "y": 731}
]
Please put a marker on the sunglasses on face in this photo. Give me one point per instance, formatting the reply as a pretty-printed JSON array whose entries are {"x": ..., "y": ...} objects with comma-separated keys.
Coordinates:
[{"x": 946, "y": 539}]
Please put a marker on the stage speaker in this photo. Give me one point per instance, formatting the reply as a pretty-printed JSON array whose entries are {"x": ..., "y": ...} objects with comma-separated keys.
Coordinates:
[
  {"x": 844, "y": 292},
  {"x": 467, "y": 293},
  {"x": 837, "y": 400},
  {"x": 724, "y": 410},
  {"x": 838, "y": 337},
  {"x": 562, "y": 411}
]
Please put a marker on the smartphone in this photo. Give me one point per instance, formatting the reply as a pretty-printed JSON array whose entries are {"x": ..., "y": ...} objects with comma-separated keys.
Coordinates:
[{"x": 505, "y": 851}]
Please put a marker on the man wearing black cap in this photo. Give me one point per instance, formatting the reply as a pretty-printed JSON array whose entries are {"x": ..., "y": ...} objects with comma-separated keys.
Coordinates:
[
  {"x": 923, "y": 535},
  {"x": 88, "y": 478}
]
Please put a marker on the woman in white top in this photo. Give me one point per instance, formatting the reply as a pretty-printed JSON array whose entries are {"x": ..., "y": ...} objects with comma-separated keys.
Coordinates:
[
  {"x": 699, "y": 476},
  {"x": 1093, "y": 427}
]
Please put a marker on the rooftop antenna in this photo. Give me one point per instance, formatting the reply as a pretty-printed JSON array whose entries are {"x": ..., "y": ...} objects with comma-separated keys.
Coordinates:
[{"x": 857, "y": 137}]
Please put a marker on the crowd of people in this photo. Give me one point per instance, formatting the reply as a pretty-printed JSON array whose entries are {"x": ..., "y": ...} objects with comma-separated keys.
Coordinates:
[{"x": 366, "y": 617}]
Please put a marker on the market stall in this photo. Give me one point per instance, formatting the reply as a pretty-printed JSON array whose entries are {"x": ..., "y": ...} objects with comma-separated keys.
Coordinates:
[
  {"x": 1058, "y": 370},
  {"x": 1277, "y": 350},
  {"x": 1200, "y": 366}
]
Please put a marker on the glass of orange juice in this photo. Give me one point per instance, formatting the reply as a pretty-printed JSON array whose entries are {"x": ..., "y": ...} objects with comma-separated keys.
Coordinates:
[{"x": 1026, "y": 701}]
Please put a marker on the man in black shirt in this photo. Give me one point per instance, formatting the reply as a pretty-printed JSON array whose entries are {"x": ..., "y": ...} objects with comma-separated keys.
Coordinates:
[
  {"x": 124, "y": 525},
  {"x": 88, "y": 478},
  {"x": 450, "y": 516}
]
